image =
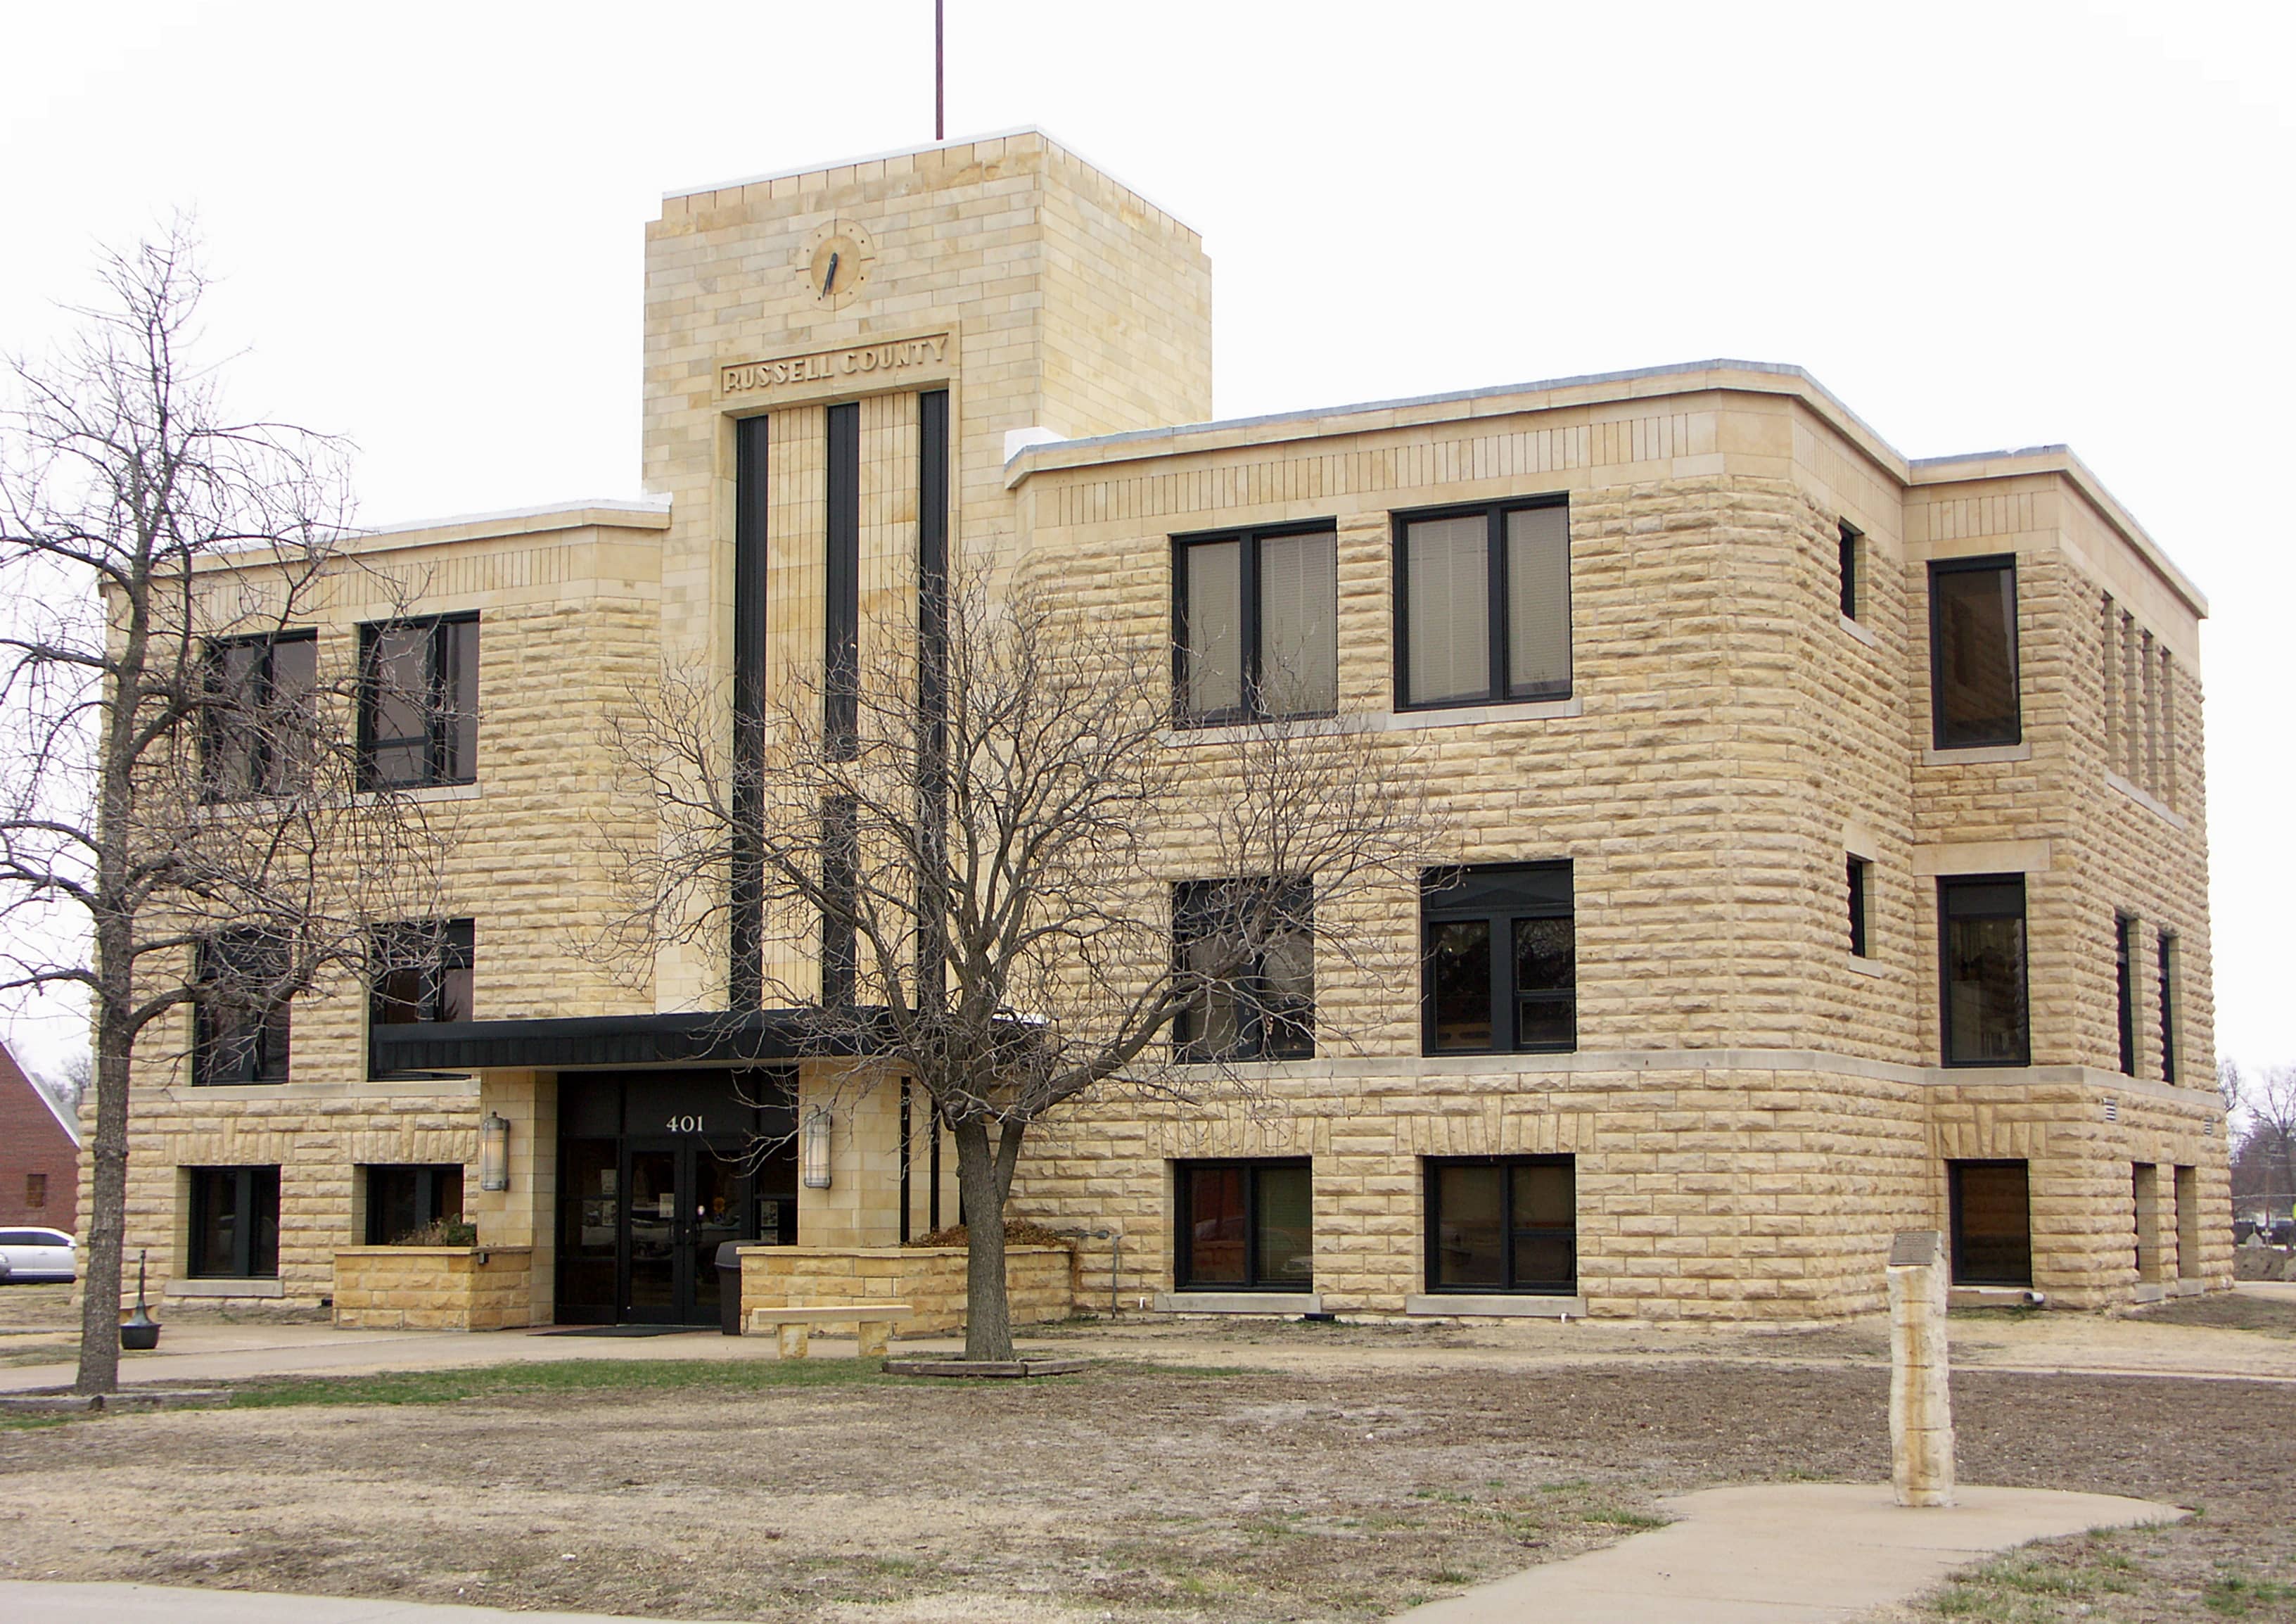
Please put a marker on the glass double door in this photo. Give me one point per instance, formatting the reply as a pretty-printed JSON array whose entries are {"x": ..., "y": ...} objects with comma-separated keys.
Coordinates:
[{"x": 680, "y": 1204}]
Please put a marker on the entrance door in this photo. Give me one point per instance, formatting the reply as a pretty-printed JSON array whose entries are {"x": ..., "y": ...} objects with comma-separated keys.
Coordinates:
[
  {"x": 680, "y": 1204},
  {"x": 655, "y": 1172}
]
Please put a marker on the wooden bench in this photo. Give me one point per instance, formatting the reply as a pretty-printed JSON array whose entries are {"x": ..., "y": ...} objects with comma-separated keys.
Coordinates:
[{"x": 875, "y": 1320}]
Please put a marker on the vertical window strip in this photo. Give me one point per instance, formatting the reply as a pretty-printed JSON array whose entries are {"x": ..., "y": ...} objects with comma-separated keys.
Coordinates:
[
  {"x": 841, "y": 584},
  {"x": 2125, "y": 989},
  {"x": 2109, "y": 635},
  {"x": 1860, "y": 900},
  {"x": 745, "y": 974},
  {"x": 2169, "y": 1005},
  {"x": 1848, "y": 570},
  {"x": 840, "y": 868}
]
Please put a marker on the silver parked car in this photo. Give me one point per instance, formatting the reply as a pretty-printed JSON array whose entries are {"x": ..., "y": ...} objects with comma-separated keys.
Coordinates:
[{"x": 38, "y": 1254}]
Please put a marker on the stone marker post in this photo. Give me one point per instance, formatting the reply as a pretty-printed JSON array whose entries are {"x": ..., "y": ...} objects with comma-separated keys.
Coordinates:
[{"x": 1920, "y": 1410}]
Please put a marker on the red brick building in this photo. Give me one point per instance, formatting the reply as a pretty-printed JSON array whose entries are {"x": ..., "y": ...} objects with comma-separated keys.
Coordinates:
[{"x": 39, "y": 1156}]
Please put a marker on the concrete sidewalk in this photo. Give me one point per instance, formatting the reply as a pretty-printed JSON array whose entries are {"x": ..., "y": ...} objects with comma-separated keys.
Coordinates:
[
  {"x": 1767, "y": 1554},
  {"x": 1783, "y": 1553}
]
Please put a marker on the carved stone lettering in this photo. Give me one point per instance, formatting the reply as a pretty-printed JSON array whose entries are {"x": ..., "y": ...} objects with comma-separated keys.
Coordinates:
[{"x": 895, "y": 356}]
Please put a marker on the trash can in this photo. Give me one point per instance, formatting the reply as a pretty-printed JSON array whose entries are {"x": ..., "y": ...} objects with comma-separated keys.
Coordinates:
[{"x": 729, "y": 1286}]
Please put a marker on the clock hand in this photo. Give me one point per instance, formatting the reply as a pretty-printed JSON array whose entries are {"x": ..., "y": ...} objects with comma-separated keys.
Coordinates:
[{"x": 830, "y": 278}]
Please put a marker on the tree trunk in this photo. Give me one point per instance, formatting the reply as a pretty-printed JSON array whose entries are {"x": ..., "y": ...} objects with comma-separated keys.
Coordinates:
[
  {"x": 988, "y": 1311},
  {"x": 106, "y": 1225}
]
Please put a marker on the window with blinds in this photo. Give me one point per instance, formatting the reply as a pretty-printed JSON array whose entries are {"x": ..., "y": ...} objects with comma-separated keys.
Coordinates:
[
  {"x": 1484, "y": 606},
  {"x": 1255, "y": 625}
]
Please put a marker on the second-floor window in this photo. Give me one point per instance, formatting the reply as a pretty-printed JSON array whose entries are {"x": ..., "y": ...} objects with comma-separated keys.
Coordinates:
[
  {"x": 1974, "y": 698},
  {"x": 419, "y": 702},
  {"x": 256, "y": 732},
  {"x": 1983, "y": 929},
  {"x": 423, "y": 971},
  {"x": 1483, "y": 605},
  {"x": 1254, "y": 625},
  {"x": 241, "y": 1034},
  {"x": 1501, "y": 959},
  {"x": 1246, "y": 950}
]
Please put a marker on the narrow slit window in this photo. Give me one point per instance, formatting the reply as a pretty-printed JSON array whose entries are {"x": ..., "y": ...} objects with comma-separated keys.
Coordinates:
[
  {"x": 2168, "y": 985},
  {"x": 1860, "y": 887},
  {"x": 2125, "y": 989},
  {"x": 1850, "y": 537}
]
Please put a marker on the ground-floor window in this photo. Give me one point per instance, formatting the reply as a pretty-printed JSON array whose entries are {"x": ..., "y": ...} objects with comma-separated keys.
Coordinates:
[
  {"x": 235, "y": 1223},
  {"x": 1992, "y": 1223},
  {"x": 402, "y": 1200},
  {"x": 1503, "y": 1223},
  {"x": 1244, "y": 1226}
]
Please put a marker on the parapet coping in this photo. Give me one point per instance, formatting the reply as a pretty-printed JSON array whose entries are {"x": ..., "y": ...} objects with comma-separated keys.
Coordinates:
[
  {"x": 887, "y": 156},
  {"x": 639, "y": 514},
  {"x": 1595, "y": 388}
]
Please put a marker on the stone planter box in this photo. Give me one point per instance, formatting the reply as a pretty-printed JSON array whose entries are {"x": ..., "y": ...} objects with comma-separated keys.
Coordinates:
[
  {"x": 1040, "y": 1280},
  {"x": 433, "y": 1288}
]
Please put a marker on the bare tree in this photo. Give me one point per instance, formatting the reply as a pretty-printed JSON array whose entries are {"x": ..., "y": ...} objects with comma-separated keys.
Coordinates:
[
  {"x": 1018, "y": 887},
  {"x": 2264, "y": 1153},
  {"x": 182, "y": 822}
]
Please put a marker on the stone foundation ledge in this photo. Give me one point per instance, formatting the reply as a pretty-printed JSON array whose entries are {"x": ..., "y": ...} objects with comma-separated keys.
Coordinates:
[
  {"x": 434, "y": 1288},
  {"x": 1039, "y": 1282}
]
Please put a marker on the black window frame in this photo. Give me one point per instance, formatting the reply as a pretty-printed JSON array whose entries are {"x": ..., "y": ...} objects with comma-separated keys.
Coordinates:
[
  {"x": 2124, "y": 969},
  {"x": 1956, "y": 1232},
  {"x": 1861, "y": 906},
  {"x": 255, "y": 1236},
  {"x": 1947, "y": 886},
  {"x": 1850, "y": 536},
  {"x": 1268, "y": 1028},
  {"x": 431, "y": 949},
  {"x": 1184, "y": 1172},
  {"x": 1251, "y": 705},
  {"x": 266, "y": 770},
  {"x": 1483, "y": 891},
  {"x": 2165, "y": 951},
  {"x": 428, "y": 1195},
  {"x": 1496, "y": 603},
  {"x": 2001, "y": 563},
  {"x": 224, "y": 1054},
  {"x": 1430, "y": 1184},
  {"x": 442, "y": 714}
]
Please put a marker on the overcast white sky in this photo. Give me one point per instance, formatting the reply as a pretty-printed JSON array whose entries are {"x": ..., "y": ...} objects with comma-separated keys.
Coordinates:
[{"x": 1980, "y": 226}]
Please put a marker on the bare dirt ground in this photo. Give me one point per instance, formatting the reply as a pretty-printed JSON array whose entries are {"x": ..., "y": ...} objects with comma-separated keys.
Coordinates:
[{"x": 1284, "y": 1473}]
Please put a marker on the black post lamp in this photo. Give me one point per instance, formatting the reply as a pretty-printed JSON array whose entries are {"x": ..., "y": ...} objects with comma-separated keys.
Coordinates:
[{"x": 139, "y": 1332}]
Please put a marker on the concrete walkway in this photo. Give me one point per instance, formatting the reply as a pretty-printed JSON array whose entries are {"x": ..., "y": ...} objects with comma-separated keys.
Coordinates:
[
  {"x": 1771, "y": 1554},
  {"x": 1783, "y": 1553}
]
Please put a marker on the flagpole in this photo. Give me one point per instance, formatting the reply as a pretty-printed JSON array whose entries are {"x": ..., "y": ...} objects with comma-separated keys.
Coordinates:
[{"x": 940, "y": 131}]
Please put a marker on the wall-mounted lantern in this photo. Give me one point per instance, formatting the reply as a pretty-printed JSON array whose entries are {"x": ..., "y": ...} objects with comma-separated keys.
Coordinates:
[
  {"x": 494, "y": 1153},
  {"x": 815, "y": 1153}
]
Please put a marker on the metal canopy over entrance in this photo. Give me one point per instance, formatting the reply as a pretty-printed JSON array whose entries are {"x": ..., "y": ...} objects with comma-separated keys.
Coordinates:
[{"x": 656, "y": 1170}]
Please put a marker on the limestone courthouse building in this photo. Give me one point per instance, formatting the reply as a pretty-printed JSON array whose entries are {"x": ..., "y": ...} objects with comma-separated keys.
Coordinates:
[{"x": 1826, "y": 829}]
